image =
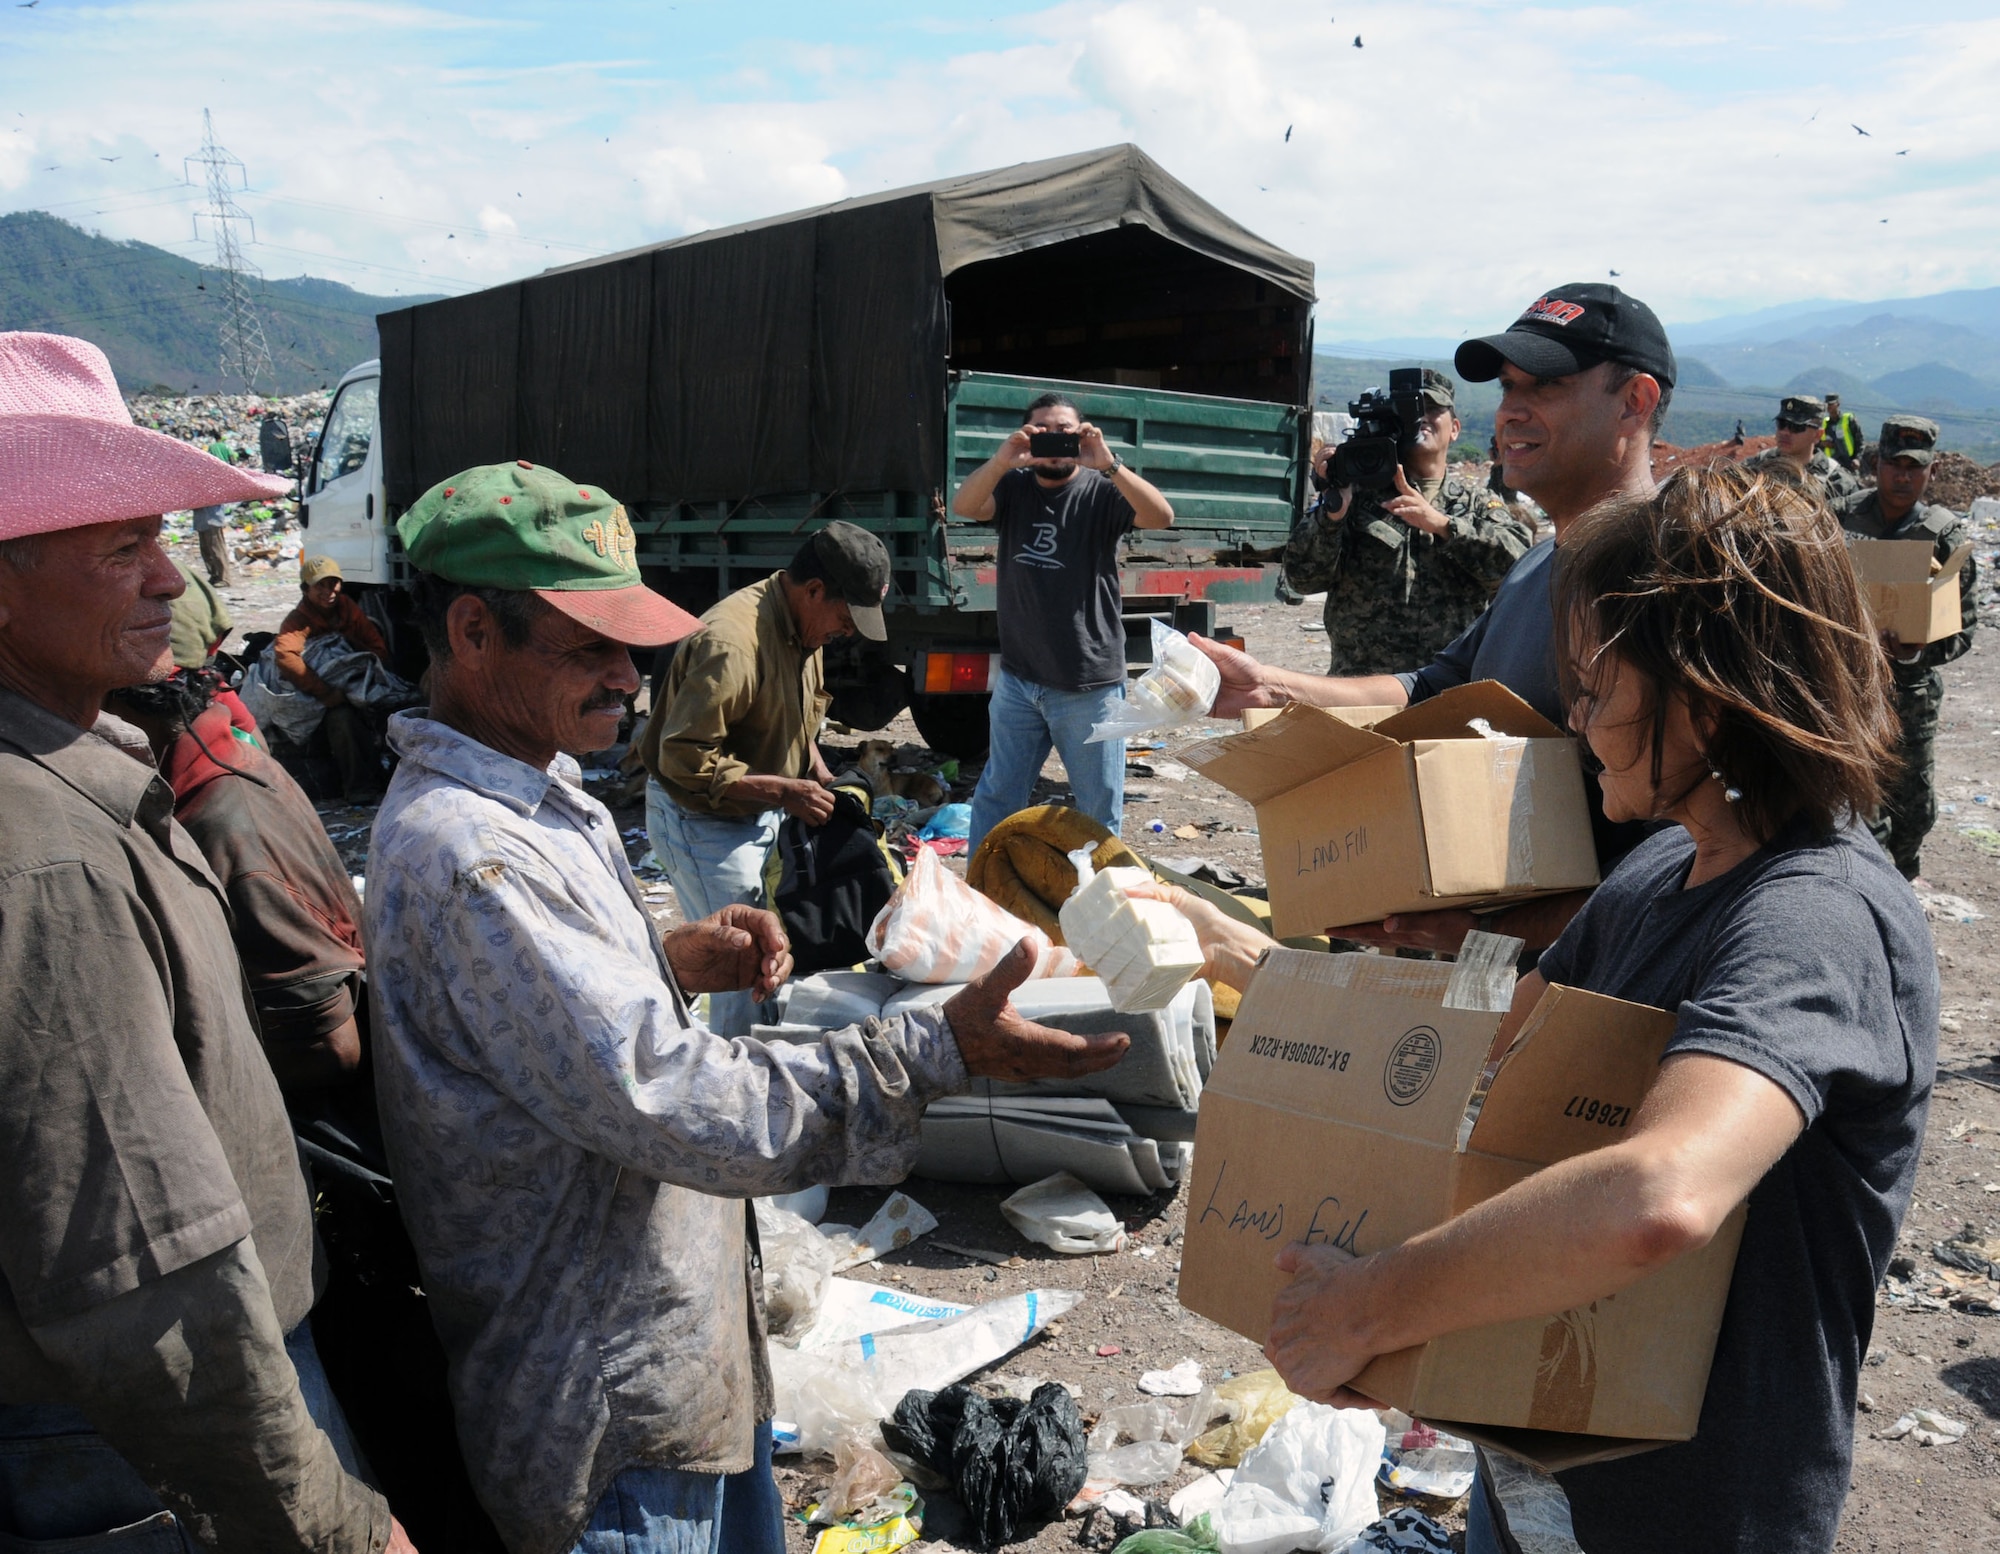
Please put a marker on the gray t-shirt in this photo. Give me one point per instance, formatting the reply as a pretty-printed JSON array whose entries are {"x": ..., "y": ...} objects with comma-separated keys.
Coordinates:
[
  {"x": 1811, "y": 964},
  {"x": 1514, "y": 642},
  {"x": 1057, "y": 588}
]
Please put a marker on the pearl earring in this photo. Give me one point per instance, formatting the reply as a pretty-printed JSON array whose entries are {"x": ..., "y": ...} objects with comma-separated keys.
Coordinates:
[{"x": 1730, "y": 795}]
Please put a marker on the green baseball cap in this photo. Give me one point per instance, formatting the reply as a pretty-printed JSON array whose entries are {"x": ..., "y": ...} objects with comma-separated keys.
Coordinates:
[
  {"x": 524, "y": 526},
  {"x": 1439, "y": 389},
  {"x": 1912, "y": 437}
]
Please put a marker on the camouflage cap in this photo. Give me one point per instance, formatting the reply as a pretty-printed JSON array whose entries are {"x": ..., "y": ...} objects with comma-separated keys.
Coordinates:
[
  {"x": 1801, "y": 410},
  {"x": 519, "y": 526},
  {"x": 1908, "y": 437},
  {"x": 1439, "y": 389}
]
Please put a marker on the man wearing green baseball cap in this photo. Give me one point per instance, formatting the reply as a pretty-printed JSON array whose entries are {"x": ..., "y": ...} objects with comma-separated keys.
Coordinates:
[{"x": 573, "y": 1149}]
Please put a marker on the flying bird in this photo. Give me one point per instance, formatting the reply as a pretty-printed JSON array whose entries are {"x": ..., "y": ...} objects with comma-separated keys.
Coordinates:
[
  {"x": 1859, "y": 130},
  {"x": 1357, "y": 40},
  {"x": 1615, "y": 272},
  {"x": 26, "y": 5},
  {"x": 1902, "y": 153},
  {"x": 1288, "y": 134},
  {"x": 118, "y": 158}
]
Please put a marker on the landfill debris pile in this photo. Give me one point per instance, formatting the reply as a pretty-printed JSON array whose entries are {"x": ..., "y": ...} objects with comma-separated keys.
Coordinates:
[
  {"x": 1957, "y": 482},
  {"x": 259, "y": 532},
  {"x": 1667, "y": 457}
]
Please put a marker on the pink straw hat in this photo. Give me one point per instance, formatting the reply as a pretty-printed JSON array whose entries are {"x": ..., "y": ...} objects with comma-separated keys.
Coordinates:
[{"x": 70, "y": 455}]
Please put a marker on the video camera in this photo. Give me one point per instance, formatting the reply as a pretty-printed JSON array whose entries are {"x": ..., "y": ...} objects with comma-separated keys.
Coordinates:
[{"x": 1385, "y": 423}]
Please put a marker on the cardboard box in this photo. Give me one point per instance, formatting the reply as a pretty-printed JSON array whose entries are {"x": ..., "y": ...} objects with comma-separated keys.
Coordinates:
[
  {"x": 1904, "y": 595},
  {"x": 1337, "y": 1114},
  {"x": 1415, "y": 812}
]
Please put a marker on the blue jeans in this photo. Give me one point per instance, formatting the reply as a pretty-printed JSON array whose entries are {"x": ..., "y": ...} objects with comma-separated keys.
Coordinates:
[
  {"x": 1028, "y": 720},
  {"x": 665, "y": 1511},
  {"x": 1482, "y": 1533},
  {"x": 712, "y": 861},
  {"x": 61, "y": 1480}
]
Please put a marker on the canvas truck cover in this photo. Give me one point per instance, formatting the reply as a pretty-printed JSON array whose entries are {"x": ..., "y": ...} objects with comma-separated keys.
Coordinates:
[{"x": 806, "y": 352}]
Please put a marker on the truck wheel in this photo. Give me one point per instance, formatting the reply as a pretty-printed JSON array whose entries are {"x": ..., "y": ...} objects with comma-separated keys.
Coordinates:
[
  {"x": 954, "y": 724},
  {"x": 872, "y": 703}
]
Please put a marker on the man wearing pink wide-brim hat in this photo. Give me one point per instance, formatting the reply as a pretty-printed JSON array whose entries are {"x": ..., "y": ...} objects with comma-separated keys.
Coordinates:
[{"x": 156, "y": 1241}]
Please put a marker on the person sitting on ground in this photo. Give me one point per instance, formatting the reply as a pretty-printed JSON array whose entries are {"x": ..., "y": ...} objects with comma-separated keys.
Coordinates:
[
  {"x": 1720, "y": 662},
  {"x": 325, "y": 609},
  {"x": 573, "y": 1146}
]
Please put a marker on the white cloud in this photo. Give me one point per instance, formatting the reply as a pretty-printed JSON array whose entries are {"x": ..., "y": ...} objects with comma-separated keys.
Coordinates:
[{"x": 1471, "y": 153}]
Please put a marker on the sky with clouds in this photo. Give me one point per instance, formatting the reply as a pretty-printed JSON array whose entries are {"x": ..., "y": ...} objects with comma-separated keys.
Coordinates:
[{"x": 1467, "y": 155}]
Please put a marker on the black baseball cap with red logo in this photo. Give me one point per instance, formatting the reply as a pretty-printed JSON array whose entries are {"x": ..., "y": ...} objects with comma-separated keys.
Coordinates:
[{"x": 1572, "y": 329}]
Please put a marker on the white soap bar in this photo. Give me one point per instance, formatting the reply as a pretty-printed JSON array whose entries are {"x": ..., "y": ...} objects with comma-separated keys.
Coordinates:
[{"x": 1144, "y": 950}]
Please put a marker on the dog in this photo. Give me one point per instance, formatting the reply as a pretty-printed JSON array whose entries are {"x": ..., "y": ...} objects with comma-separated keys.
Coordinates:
[{"x": 873, "y": 762}]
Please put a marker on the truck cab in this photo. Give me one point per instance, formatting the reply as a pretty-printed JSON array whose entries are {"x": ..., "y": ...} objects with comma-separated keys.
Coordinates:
[{"x": 341, "y": 503}]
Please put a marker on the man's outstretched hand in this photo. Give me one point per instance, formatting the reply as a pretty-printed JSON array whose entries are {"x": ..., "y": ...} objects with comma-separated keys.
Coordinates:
[
  {"x": 739, "y": 947},
  {"x": 997, "y": 1043},
  {"x": 1243, "y": 680}
]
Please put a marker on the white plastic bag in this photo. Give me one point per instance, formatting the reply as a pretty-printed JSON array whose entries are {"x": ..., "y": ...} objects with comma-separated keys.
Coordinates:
[
  {"x": 1141, "y": 1443},
  {"x": 798, "y": 1262},
  {"x": 1309, "y": 1484},
  {"x": 1175, "y": 693},
  {"x": 825, "y": 1394},
  {"x": 1060, "y": 1213},
  {"x": 895, "y": 1225},
  {"x": 937, "y": 928}
]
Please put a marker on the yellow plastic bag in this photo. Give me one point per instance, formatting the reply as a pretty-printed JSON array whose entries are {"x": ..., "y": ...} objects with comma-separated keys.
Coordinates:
[{"x": 1255, "y": 1401}]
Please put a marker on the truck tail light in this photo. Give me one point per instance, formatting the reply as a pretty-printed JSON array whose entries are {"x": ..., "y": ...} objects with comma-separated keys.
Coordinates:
[{"x": 959, "y": 673}]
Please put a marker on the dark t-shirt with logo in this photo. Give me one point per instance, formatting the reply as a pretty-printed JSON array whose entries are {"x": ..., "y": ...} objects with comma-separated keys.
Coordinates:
[{"x": 1057, "y": 588}]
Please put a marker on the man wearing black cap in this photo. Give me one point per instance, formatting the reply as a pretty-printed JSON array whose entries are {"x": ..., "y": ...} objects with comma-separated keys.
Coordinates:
[
  {"x": 1585, "y": 373},
  {"x": 1801, "y": 419},
  {"x": 1842, "y": 438},
  {"x": 730, "y": 745},
  {"x": 1896, "y": 510},
  {"x": 1405, "y": 572}
]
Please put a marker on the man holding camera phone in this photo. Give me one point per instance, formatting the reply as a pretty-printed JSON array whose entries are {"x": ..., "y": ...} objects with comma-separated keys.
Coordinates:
[
  {"x": 1408, "y": 552},
  {"x": 1059, "y": 501}
]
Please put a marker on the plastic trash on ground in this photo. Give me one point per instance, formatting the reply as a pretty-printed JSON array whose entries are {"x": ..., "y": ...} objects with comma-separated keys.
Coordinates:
[
  {"x": 852, "y": 1308},
  {"x": 950, "y": 820},
  {"x": 1420, "y": 1460},
  {"x": 809, "y": 1205},
  {"x": 825, "y": 1393},
  {"x": 1254, "y": 1402},
  {"x": 894, "y": 1521},
  {"x": 895, "y": 1225},
  {"x": 1060, "y": 1213},
  {"x": 1183, "y": 1381},
  {"x": 1195, "y": 1537},
  {"x": 1144, "y": 951},
  {"x": 1310, "y": 1484},
  {"x": 861, "y": 1477},
  {"x": 798, "y": 1262},
  {"x": 1404, "y": 1530},
  {"x": 1202, "y": 1496},
  {"x": 1142, "y": 1443},
  {"x": 1926, "y": 1427},
  {"x": 1175, "y": 693},
  {"x": 937, "y": 928},
  {"x": 1534, "y": 1505},
  {"x": 1011, "y": 1463}
]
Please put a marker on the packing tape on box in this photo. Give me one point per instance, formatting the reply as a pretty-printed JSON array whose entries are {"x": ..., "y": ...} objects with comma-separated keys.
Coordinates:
[
  {"x": 1483, "y": 976},
  {"x": 1566, "y": 1375}
]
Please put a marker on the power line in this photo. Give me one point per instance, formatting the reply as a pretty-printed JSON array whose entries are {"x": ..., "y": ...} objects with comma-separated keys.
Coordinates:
[{"x": 244, "y": 353}]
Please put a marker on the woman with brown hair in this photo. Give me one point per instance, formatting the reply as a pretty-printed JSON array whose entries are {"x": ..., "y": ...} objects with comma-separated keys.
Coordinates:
[{"x": 1722, "y": 670}]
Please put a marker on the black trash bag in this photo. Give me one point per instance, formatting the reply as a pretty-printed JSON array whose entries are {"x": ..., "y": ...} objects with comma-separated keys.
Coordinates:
[{"x": 1011, "y": 1463}]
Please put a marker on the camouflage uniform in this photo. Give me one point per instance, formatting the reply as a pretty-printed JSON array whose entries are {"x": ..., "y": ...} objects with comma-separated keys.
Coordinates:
[
  {"x": 1832, "y": 481},
  {"x": 1396, "y": 596},
  {"x": 1909, "y": 809}
]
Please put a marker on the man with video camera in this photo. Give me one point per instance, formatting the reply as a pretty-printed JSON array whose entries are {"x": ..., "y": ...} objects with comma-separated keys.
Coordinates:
[{"x": 1408, "y": 552}]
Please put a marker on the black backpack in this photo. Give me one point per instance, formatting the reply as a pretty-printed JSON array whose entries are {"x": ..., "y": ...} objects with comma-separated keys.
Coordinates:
[{"x": 828, "y": 882}]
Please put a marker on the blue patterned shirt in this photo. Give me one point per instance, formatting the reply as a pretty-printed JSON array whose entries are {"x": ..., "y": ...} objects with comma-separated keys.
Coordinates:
[{"x": 572, "y": 1147}]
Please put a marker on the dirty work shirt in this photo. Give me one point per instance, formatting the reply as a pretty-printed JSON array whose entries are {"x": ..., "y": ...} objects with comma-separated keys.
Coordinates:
[
  {"x": 307, "y": 620},
  {"x": 1057, "y": 591},
  {"x": 152, "y": 1180},
  {"x": 573, "y": 1149},
  {"x": 742, "y": 698},
  {"x": 1810, "y": 963}
]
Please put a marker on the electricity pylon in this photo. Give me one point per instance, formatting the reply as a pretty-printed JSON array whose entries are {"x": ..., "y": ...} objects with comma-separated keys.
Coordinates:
[{"x": 243, "y": 351}]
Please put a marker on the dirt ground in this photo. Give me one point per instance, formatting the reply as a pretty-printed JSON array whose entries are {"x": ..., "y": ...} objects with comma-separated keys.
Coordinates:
[{"x": 1926, "y": 1353}]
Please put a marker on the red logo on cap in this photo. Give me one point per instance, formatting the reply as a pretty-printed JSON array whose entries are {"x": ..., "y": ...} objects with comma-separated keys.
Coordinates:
[{"x": 1547, "y": 310}]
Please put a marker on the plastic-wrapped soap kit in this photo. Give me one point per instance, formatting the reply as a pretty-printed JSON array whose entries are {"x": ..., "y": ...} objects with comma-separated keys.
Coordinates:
[
  {"x": 1175, "y": 693},
  {"x": 1143, "y": 950}
]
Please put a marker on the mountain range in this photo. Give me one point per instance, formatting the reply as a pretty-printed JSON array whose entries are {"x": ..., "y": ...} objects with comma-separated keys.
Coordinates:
[
  {"x": 156, "y": 315},
  {"x": 1937, "y": 355}
]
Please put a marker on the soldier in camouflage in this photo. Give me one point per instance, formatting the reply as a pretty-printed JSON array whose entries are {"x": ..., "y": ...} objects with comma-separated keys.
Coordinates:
[
  {"x": 1896, "y": 510},
  {"x": 1405, "y": 574},
  {"x": 1801, "y": 421}
]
